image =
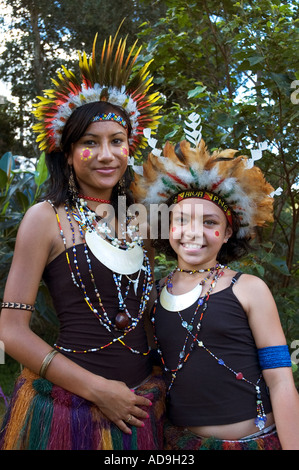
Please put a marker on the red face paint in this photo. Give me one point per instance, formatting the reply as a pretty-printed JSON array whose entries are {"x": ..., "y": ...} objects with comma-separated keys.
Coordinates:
[
  {"x": 173, "y": 229},
  {"x": 124, "y": 151},
  {"x": 86, "y": 154},
  {"x": 217, "y": 233}
]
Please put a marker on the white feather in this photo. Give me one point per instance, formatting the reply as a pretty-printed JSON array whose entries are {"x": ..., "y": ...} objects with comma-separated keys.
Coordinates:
[
  {"x": 193, "y": 135},
  {"x": 277, "y": 192}
]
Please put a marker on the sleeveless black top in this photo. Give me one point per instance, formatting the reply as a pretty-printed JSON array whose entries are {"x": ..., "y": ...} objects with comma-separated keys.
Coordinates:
[
  {"x": 205, "y": 392},
  {"x": 80, "y": 329}
]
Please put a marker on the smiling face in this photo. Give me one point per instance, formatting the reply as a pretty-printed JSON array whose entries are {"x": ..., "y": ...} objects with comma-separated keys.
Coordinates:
[
  {"x": 198, "y": 230},
  {"x": 99, "y": 158}
]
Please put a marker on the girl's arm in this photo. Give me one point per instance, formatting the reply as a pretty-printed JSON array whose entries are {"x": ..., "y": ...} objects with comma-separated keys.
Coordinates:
[
  {"x": 285, "y": 404},
  {"x": 266, "y": 328},
  {"x": 36, "y": 241}
]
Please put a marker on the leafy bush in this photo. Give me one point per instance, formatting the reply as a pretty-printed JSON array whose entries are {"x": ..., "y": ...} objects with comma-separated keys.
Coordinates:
[{"x": 21, "y": 184}]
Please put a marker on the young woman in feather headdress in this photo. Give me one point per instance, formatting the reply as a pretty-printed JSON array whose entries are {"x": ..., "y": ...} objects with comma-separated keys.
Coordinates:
[{"x": 94, "y": 388}]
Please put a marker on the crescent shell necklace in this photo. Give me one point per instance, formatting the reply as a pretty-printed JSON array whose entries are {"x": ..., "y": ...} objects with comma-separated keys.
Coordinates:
[
  {"x": 124, "y": 322},
  {"x": 193, "y": 329}
]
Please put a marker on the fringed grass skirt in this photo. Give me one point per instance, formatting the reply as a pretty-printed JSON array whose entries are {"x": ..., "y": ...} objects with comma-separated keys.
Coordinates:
[
  {"x": 182, "y": 439},
  {"x": 43, "y": 416}
]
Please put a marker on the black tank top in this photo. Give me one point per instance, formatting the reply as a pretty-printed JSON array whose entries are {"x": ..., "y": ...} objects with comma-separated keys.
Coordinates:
[
  {"x": 205, "y": 392},
  {"x": 81, "y": 330}
]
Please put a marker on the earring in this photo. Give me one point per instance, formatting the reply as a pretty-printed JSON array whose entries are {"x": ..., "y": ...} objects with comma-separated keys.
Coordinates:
[
  {"x": 121, "y": 187},
  {"x": 73, "y": 190}
]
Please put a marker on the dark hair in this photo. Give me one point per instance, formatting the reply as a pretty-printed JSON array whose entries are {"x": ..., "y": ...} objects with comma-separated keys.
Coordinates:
[
  {"x": 234, "y": 249},
  {"x": 75, "y": 127}
]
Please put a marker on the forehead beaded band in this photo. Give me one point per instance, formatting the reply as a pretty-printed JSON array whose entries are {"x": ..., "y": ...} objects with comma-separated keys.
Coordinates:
[
  {"x": 110, "y": 117},
  {"x": 207, "y": 196}
]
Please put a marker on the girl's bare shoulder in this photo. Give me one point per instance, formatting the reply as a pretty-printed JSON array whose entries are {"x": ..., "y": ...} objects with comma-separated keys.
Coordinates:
[
  {"x": 40, "y": 212},
  {"x": 253, "y": 293},
  {"x": 249, "y": 281},
  {"x": 38, "y": 228}
]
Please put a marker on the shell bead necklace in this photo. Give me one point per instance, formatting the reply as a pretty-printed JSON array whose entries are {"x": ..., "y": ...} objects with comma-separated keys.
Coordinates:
[
  {"x": 125, "y": 261},
  {"x": 101, "y": 314},
  {"x": 88, "y": 221}
]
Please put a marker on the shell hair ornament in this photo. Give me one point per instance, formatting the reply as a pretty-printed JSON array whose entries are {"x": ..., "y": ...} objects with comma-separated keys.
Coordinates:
[
  {"x": 233, "y": 182},
  {"x": 110, "y": 78}
]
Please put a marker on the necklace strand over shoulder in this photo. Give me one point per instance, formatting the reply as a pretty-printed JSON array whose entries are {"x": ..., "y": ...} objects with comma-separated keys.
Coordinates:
[
  {"x": 195, "y": 325},
  {"x": 120, "y": 330}
]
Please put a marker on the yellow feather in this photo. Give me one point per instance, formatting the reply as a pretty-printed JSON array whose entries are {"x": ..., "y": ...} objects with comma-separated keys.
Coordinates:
[{"x": 94, "y": 48}]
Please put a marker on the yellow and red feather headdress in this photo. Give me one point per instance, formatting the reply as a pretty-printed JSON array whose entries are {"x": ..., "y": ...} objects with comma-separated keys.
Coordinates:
[{"x": 112, "y": 79}]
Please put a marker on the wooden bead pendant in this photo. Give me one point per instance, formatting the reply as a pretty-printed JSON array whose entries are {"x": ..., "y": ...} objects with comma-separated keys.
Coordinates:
[{"x": 121, "y": 320}]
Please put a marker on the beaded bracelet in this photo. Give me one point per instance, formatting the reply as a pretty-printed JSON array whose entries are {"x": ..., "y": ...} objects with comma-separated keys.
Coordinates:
[
  {"x": 274, "y": 356},
  {"x": 46, "y": 362},
  {"x": 18, "y": 306}
]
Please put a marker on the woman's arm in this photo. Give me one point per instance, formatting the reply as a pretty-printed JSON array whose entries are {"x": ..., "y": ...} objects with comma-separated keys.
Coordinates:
[
  {"x": 37, "y": 239},
  {"x": 266, "y": 328}
]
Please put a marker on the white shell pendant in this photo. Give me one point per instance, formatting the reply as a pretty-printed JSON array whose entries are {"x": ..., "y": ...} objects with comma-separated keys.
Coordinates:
[
  {"x": 118, "y": 260},
  {"x": 176, "y": 303}
]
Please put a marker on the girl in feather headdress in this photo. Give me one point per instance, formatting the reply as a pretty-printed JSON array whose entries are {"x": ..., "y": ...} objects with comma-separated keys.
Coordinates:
[
  {"x": 218, "y": 333},
  {"x": 94, "y": 388}
]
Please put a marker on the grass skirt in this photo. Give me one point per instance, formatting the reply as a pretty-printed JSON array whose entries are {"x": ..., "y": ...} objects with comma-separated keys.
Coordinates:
[
  {"x": 181, "y": 439},
  {"x": 43, "y": 416}
]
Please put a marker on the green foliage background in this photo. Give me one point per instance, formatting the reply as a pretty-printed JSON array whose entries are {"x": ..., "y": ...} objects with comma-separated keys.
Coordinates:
[{"x": 234, "y": 63}]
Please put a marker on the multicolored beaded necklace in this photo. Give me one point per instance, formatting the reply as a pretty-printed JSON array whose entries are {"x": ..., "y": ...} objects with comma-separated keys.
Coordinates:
[
  {"x": 202, "y": 302},
  {"x": 190, "y": 327},
  {"x": 101, "y": 314},
  {"x": 88, "y": 220},
  {"x": 196, "y": 271}
]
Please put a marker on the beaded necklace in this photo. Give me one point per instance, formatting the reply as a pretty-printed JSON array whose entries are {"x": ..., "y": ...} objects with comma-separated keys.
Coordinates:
[
  {"x": 211, "y": 270},
  {"x": 87, "y": 220},
  {"x": 101, "y": 314},
  {"x": 261, "y": 418},
  {"x": 195, "y": 271},
  {"x": 183, "y": 355},
  {"x": 95, "y": 199}
]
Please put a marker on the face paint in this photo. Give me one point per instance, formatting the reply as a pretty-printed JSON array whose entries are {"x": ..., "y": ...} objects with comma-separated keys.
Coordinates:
[
  {"x": 86, "y": 154},
  {"x": 217, "y": 233},
  {"x": 124, "y": 151}
]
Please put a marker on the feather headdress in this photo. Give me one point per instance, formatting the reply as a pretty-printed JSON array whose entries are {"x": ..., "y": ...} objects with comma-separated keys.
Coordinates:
[
  {"x": 110, "y": 79},
  {"x": 234, "y": 179}
]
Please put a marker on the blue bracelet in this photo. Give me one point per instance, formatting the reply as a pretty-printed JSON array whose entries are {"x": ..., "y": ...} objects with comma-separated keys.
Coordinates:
[{"x": 274, "y": 356}]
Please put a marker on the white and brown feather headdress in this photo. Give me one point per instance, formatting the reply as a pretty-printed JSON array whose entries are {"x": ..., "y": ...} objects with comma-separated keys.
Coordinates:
[{"x": 179, "y": 168}]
